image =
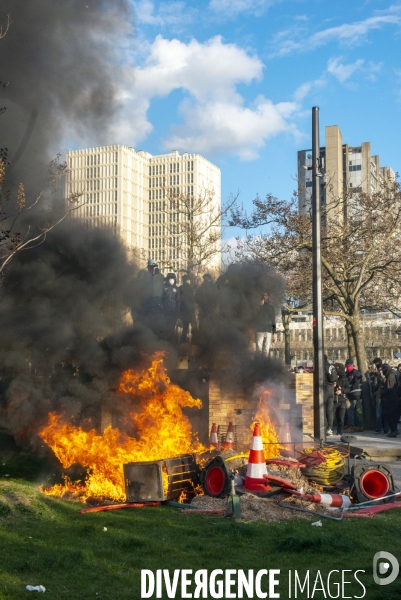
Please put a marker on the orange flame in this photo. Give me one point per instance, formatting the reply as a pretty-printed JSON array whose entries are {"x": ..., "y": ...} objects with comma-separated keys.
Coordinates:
[
  {"x": 267, "y": 428},
  {"x": 163, "y": 432}
]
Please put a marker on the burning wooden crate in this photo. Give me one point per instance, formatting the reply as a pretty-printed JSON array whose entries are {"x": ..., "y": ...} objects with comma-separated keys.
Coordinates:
[{"x": 160, "y": 480}]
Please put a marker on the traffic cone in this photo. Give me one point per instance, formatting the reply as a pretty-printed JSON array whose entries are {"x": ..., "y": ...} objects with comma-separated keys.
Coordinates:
[
  {"x": 256, "y": 469},
  {"x": 287, "y": 448},
  {"x": 336, "y": 500},
  {"x": 213, "y": 441},
  {"x": 229, "y": 441}
]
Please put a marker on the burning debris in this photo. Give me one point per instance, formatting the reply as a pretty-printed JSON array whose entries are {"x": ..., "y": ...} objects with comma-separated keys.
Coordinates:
[{"x": 153, "y": 412}]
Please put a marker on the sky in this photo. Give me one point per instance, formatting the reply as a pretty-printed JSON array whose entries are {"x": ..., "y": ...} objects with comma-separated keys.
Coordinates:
[{"x": 235, "y": 80}]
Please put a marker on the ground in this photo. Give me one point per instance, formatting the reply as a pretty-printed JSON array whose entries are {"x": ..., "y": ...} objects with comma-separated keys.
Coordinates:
[{"x": 46, "y": 541}]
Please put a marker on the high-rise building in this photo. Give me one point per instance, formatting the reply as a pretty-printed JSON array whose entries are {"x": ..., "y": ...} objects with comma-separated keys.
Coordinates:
[
  {"x": 131, "y": 192},
  {"x": 345, "y": 167}
]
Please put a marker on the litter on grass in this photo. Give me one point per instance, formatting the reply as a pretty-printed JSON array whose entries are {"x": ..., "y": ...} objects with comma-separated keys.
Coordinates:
[
  {"x": 35, "y": 588},
  {"x": 317, "y": 523}
]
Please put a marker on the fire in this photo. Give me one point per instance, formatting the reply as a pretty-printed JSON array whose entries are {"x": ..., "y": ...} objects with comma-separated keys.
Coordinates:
[
  {"x": 163, "y": 432},
  {"x": 267, "y": 428}
]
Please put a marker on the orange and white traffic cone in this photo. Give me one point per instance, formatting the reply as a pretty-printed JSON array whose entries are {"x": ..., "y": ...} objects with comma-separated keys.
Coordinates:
[
  {"x": 229, "y": 441},
  {"x": 256, "y": 469},
  {"x": 213, "y": 441},
  {"x": 336, "y": 500},
  {"x": 287, "y": 448}
]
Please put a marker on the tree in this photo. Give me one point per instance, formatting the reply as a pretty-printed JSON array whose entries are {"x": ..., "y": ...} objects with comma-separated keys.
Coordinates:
[
  {"x": 361, "y": 253},
  {"x": 19, "y": 232},
  {"x": 294, "y": 266},
  {"x": 194, "y": 226}
]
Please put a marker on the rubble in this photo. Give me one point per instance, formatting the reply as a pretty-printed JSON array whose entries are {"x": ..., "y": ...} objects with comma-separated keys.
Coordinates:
[{"x": 255, "y": 508}]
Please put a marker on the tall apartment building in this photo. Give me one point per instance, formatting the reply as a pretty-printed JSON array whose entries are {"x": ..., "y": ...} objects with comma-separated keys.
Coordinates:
[
  {"x": 346, "y": 168},
  {"x": 130, "y": 191}
]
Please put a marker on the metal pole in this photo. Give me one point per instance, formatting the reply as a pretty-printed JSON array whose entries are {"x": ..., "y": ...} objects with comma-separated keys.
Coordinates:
[{"x": 318, "y": 350}]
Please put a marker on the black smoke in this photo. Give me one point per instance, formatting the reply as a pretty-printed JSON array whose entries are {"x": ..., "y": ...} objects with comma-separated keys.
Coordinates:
[
  {"x": 61, "y": 63},
  {"x": 58, "y": 303},
  {"x": 67, "y": 333}
]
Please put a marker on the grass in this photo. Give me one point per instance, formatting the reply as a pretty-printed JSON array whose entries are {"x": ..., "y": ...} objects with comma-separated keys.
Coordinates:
[{"x": 46, "y": 541}]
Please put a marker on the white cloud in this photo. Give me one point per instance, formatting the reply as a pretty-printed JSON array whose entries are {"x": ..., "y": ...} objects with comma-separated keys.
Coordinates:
[
  {"x": 348, "y": 34},
  {"x": 215, "y": 116},
  {"x": 341, "y": 71},
  {"x": 306, "y": 88},
  {"x": 230, "y": 126},
  {"x": 213, "y": 68},
  {"x": 167, "y": 14},
  {"x": 231, "y": 8}
]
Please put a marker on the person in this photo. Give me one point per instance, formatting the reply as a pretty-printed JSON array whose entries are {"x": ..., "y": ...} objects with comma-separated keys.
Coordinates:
[
  {"x": 390, "y": 398},
  {"x": 331, "y": 377},
  {"x": 171, "y": 302},
  {"x": 206, "y": 298},
  {"x": 341, "y": 402},
  {"x": 354, "y": 396},
  {"x": 187, "y": 313},
  {"x": 376, "y": 385},
  {"x": 265, "y": 325}
]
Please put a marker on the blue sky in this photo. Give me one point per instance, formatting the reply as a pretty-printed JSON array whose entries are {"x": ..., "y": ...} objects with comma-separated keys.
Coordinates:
[{"x": 235, "y": 80}]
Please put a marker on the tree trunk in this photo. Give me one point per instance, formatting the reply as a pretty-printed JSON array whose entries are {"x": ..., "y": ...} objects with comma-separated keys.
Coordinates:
[
  {"x": 350, "y": 340},
  {"x": 359, "y": 343},
  {"x": 286, "y": 319}
]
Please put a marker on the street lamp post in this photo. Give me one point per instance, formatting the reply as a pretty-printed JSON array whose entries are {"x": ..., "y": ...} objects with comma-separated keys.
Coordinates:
[{"x": 318, "y": 349}]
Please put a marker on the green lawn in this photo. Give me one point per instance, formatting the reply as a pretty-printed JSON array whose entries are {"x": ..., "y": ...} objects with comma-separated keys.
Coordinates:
[{"x": 46, "y": 541}]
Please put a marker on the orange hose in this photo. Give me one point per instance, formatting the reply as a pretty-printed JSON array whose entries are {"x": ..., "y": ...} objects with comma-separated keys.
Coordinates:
[{"x": 96, "y": 509}]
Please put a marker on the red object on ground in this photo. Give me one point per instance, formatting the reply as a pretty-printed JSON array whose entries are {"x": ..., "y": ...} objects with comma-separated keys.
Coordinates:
[
  {"x": 96, "y": 509},
  {"x": 292, "y": 464},
  {"x": 280, "y": 481},
  {"x": 215, "y": 480},
  {"x": 374, "y": 484},
  {"x": 256, "y": 469},
  {"x": 203, "y": 511},
  {"x": 336, "y": 500},
  {"x": 229, "y": 441},
  {"x": 371, "y": 511},
  {"x": 213, "y": 441}
]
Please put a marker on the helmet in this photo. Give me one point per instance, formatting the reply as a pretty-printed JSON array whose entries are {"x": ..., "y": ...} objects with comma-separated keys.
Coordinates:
[
  {"x": 171, "y": 276},
  {"x": 151, "y": 262}
]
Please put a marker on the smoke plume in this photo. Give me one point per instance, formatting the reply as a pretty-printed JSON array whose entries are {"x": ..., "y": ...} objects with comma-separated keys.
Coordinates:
[{"x": 61, "y": 63}]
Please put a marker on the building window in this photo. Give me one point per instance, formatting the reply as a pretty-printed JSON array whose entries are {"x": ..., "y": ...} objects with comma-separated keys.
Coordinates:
[{"x": 116, "y": 156}]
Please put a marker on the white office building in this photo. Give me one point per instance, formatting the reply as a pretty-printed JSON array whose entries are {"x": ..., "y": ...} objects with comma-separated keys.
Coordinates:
[{"x": 129, "y": 191}]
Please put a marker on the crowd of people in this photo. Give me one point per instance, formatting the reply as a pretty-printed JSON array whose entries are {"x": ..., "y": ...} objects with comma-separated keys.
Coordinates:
[
  {"x": 344, "y": 389},
  {"x": 181, "y": 313}
]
